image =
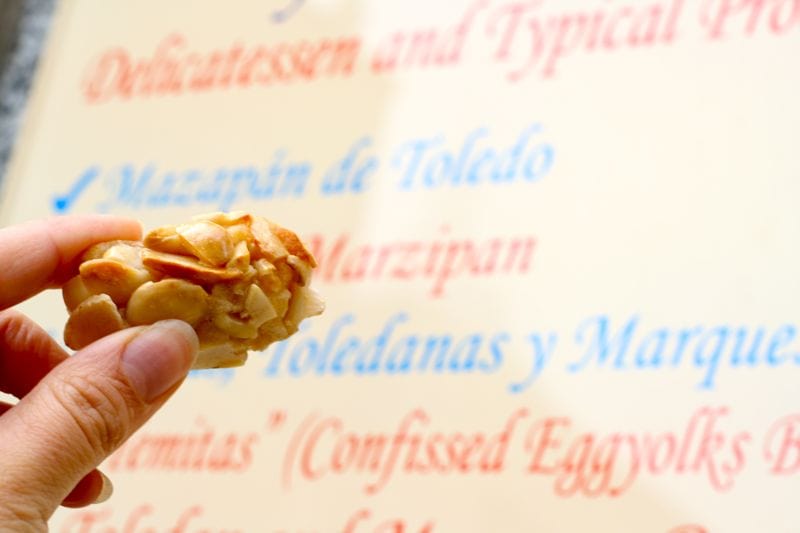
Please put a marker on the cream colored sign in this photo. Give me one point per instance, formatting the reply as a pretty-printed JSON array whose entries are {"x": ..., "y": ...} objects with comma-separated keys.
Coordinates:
[{"x": 557, "y": 240}]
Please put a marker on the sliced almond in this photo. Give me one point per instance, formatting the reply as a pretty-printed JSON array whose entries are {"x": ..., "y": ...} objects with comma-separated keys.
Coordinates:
[
  {"x": 258, "y": 307},
  {"x": 280, "y": 301},
  {"x": 240, "y": 259},
  {"x": 225, "y": 219},
  {"x": 240, "y": 329},
  {"x": 98, "y": 250},
  {"x": 271, "y": 331},
  {"x": 285, "y": 273},
  {"x": 207, "y": 241},
  {"x": 128, "y": 253},
  {"x": 209, "y": 334},
  {"x": 302, "y": 269},
  {"x": 222, "y": 355},
  {"x": 305, "y": 303},
  {"x": 240, "y": 233},
  {"x": 94, "y": 318},
  {"x": 187, "y": 268},
  {"x": 74, "y": 292},
  {"x": 292, "y": 243},
  {"x": 227, "y": 298},
  {"x": 267, "y": 276},
  {"x": 269, "y": 246},
  {"x": 118, "y": 280},
  {"x": 168, "y": 298},
  {"x": 166, "y": 239}
]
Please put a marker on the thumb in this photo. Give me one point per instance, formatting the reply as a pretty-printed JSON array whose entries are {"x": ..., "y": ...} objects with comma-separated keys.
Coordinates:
[{"x": 83, "y": 410}]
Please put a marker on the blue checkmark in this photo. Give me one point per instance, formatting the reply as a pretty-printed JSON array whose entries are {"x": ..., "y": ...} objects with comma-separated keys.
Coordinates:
[{"x": 63, "y": 203}]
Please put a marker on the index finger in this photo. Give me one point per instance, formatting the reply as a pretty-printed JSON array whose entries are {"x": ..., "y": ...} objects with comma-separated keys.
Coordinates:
[{"x": 38, "y": 255}]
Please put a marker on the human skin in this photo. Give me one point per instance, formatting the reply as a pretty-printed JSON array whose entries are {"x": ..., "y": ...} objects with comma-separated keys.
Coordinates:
[{"x": 73, "y": 411}]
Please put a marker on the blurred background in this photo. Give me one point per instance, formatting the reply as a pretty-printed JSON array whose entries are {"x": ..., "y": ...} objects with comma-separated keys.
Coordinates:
[{"x": 557, "y": 241}]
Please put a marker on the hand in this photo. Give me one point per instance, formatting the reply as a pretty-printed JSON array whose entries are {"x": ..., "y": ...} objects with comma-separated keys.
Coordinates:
[{"x": 73, "y": 411}]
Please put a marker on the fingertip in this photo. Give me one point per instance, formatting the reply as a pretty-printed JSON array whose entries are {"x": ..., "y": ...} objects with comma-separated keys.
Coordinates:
[
  {"x": 125, "y": 228},
  {"x": 88, "y": 490},
  {"x": 184, "y": 331},
  {"x": 106, "y": 491},
  {"x": 159, "y": 357}
]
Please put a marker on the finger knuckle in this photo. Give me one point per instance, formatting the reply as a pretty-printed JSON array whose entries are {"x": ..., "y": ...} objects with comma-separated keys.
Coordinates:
[
  {"x": 100, "y": 412},
  {"x": 13, "y": 326}
]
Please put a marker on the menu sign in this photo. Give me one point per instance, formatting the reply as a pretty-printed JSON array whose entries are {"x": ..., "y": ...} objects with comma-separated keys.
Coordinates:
[{"x": 557, "y": 243}]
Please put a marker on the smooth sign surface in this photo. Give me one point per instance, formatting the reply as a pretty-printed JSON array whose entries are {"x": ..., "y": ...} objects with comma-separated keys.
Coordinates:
[{"x": 558, "y": 241}]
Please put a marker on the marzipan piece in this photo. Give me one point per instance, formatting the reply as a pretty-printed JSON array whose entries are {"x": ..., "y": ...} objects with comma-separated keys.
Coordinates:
[{"x": 241, "y": 281}]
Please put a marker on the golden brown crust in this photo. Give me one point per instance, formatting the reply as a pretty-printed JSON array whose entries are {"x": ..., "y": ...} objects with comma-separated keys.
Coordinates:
[
  {"x": 117, "y": 279},
  {"x": 178, "y": 266},
  {"x": 94, "y": 318},
  {"x": 293, "y": 244}
]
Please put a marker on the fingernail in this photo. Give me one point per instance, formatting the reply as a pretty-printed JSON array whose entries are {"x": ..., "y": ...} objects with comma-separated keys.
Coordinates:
[
  {"x": 159, "y": 357},
  {"x": 106, "y": 491}
]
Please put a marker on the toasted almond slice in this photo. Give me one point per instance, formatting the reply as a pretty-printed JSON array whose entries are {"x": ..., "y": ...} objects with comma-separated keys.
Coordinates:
[
  {"x": 234, "y": 327},
  {"x": 220, "y": 356},
  {"x": 280, "y": 301},
  {"x": 208, "y": 333},
  {"x": 98, "y": 250},
  {"x": 302, "y": 268},
  {"x": 240, "y": 233},
  {"x": 292, "y": 243},
  {"x": 207, "y": 241},
  {"x": 241, "y": 257},
  {"x": 166, "y": 239},
  {"x": 249, "y": 274},
  {"x": 271, "y": 331},
  {"x": 184, "y": 267},
  {"x": 225, "y": 219},
  {"x": 94, "y": 318},
  {"x": 168, "y": 298},
  {"x": 267, "y": 276},
  {"x": 74, "y": 292},
  {"x": 268, "y": 245},
  {"x": 126, "y": 252},
  {"x": 304, "y": 303},
  {"x": 229, "y": 296},
  {"x": 118, "y": 280},
  {"x": 285, "y": 273},
  {"x": 258, "y": 307}
]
